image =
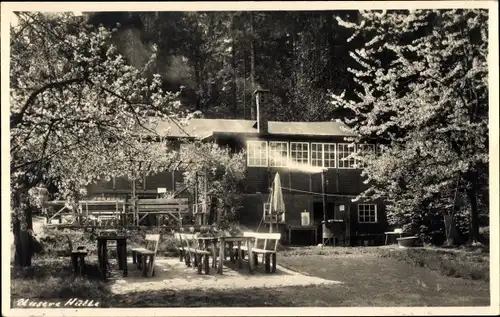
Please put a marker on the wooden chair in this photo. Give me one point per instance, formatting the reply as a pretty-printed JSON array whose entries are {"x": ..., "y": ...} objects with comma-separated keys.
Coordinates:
[
  {"x": 196, "y": 253},
  {"x": 78, "y": 260},
  {"x": 266, "y": 244},
  {"x": 180, "y": 245},
  {"x": 397, "y": 231},
  {"x": 145, "y": 257},
  {"x": 244, "y": 248}
]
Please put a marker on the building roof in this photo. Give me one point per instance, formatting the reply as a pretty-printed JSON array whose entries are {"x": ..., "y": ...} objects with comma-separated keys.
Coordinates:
[{"x": 201, "y": 128}]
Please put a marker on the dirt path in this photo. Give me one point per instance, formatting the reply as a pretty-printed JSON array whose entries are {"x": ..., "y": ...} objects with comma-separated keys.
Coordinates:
[{"x": 171, "y": 274}]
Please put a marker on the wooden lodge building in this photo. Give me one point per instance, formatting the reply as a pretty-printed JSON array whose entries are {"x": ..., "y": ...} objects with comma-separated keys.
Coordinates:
[{"x": 304, "y": 154}]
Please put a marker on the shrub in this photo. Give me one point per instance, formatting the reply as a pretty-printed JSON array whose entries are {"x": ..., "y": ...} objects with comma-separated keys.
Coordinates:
[
  {"x": 166, "y": 246},
  {"x": 54, "y": 280},
  {"x": 60, "y": 242},
  {"x": 484, "y": 233},
  {"x": 57, "y": 242},
  {"x": 453, "y": 263}
]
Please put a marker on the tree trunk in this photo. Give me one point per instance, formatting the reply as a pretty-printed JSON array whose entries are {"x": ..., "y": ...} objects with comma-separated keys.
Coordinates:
[
  {"x": 449, "y": 220},
  {"x": 22, "y": 238},
  {"x": 474, "y": 224},
  {"x": 233, "y": 66},
  {"x": 252, "y": 67},
  {"x": 294, "y": 55},
  {"x": 450, "y": 230},
  {"x": 212, "y": 217},
  {"x": 219, "y": 213}
]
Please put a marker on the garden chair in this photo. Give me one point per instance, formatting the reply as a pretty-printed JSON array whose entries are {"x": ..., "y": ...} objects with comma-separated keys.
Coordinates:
[
  {"x": 180, "y": 245},
  {"x": 244, "y": 248},
  {"x": 78, "y": 260},
  {"x": 397, "y": 231},
  {"x": 195, "y": 252},
  {"x": 145, "y": 257},
  {"x": 265, "y": 244}
]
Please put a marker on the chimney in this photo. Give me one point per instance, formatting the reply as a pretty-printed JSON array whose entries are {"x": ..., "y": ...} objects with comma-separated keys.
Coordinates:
[{"x": 261, "y": 102}]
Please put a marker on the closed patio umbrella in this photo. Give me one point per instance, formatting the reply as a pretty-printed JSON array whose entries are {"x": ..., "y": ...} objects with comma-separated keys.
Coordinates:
[{"x": 277, "y": 204}]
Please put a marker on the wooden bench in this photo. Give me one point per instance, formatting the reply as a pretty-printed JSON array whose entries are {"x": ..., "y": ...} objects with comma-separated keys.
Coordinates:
[
  {"x": 194, "y": 251},
  {"x": 78, "y": 260},
  {"x": 145, "y": 257},
  {"x": 102, "y": 212},
  {"x": 174, "y": 207},
  {"x": 243, "y": 248},
  {"x": 265, "y": 244}
]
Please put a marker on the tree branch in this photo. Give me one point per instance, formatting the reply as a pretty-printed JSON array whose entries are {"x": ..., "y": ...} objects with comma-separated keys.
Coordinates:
[{"x": 17, "y": 118}]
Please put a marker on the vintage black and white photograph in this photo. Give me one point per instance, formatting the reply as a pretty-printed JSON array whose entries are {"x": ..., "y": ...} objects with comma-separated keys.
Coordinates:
[{"x": 222, "y": 157}]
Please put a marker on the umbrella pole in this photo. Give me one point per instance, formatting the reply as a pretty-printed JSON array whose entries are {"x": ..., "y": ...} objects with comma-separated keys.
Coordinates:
[{"x": 271, "y": 208}]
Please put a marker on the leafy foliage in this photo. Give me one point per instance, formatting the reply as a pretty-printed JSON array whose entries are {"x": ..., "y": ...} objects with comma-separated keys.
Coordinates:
[
  {"x": 225, "y": 172},
  {"x": 424, "y": 96},
  {"x": 217, "y": 59},
  {"x": 78, "y": 111}
]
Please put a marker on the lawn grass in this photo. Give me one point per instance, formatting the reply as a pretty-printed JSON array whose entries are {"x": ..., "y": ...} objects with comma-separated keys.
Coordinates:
[
  {"x": 376, "y": 277},
  {"x": 51, "y": 278},
  {"x": 371, "y": 276},
  {"x": 471, "y": 265},
  {"x": 464, "y": 263}
]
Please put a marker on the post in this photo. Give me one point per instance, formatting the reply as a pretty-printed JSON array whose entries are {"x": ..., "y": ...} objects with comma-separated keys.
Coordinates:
[
  {"x": 173, "y": 181},
  {"x": 323, "y": 191},
  {"x": 205, "y": 198},
  {"x": 134, "y": 207},
  {"x": 87, "y": 211},
  {"x": 117, "y": 213},
  {"x": 196, "y": 194}
]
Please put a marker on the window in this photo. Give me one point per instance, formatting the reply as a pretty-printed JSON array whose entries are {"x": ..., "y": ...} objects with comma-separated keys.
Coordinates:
[
  {"x": 299, "y": 152},
  {"x": 329, "y": 155},
  {"x": 344, "y": 151},
  {"x": 365, "y": 149},
  {"x": 257, "y": 153},
  {"x": 317, "y": 154},
  {"x": 367, "y": 213},
  {"x": 323, "y": 154},
  {"x": 278, "y": 154}
]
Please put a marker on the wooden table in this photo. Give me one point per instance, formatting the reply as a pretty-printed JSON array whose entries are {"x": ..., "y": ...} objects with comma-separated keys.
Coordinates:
[
  {"x": 205, "y": 242},
  {"x": 314, "y": 230},
  {"x": 121, "y": 252},
  {"x": 231, "y": 240}
]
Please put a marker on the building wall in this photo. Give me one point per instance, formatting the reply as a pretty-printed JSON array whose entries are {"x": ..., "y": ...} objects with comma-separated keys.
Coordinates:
[
  {"x": 344, "y": 183},
  {"x": 250, "y": 215},
  {"x": 165, "y": 179}
]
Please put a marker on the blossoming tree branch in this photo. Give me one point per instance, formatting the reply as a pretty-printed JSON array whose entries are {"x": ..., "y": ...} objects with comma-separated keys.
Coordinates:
[
  {"x": 79, "y": 112},
  {"x": 423, "y": 95}
]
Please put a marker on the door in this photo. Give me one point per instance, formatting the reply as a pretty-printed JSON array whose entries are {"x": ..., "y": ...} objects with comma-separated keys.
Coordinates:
[
  {"x": 330, "y": 211},
  {"x": 318, "y": 215},
  {"x": 342, "y": 213},
  {"x": 318, "y": 218}
]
